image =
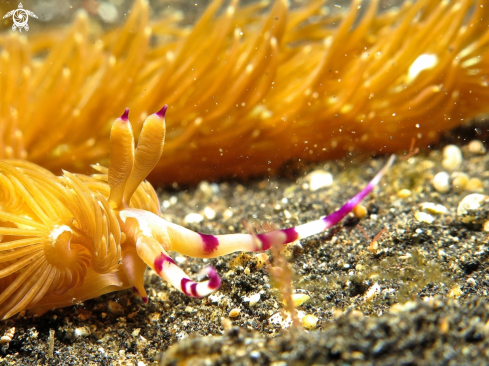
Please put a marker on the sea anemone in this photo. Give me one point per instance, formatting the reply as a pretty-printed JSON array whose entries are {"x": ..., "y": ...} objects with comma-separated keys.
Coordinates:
[{"x": 251, "y": 87}]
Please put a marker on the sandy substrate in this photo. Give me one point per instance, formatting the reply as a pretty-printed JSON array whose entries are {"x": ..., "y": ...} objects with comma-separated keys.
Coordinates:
[{"x": 415, "y": 297}]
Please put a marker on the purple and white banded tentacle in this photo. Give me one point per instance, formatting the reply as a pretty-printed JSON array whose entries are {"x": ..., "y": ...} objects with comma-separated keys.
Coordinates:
[
  {"x": 315, "y": 227},
  {"x": 209, "y": 246},
  {"x": 154, "y": 237},
  {"x": 150, "y": 249}
]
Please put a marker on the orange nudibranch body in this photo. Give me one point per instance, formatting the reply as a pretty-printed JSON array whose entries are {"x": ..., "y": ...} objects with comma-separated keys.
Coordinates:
[{"x": 70, "y": 238}]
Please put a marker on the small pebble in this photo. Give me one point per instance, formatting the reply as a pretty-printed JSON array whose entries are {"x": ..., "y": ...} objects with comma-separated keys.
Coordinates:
[
  {"x": 404, "y": 193},
  {"x": 474, "y": 184},
  {"x": 459, "y": 181},
  {"x": 310, "y": 322},
  {"x": 82, "y": 332},
  {"x": 136, "y": 332},
  {"x": 253, "y": 299},
  {"x": 372, "y": 292},
  {"x": 424, "y": 217},
  {"x": 452, "y": 157},
  {"x": 261, "y": 259},
  {"x": 8, "y": 336},
  {"x": 234, "y": 312},
  {"x": 108, "y": 12},
  {"x": 455, "y": 292},
  {"x": 209, "y": 213},
  {"x": 476, "y": 147},
  {"x": 299, "y": 299},
  {"x": 486, "y": 226},
  {"x": 278, "y": 319},
  {"x": 471, "y": 202},
  {"x": 471, "y": 281},
  {"x": 434, "y": 208},
  {"x": 206, "y": 189},
  {"x": 441, "y": 182},
  {"x": 193, "y": 218},
  {"x": 359, "y": 211},
  {"x": 114, "y": 307},
  {"x": 319, "y": 179}
]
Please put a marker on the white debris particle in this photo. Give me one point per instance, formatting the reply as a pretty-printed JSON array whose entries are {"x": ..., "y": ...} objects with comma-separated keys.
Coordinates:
[
  {"x": 215, "y": 298},
  {"x": 424, "y": 61},
  {"x": 441, "y": 182},
  {"x": 136, "y": 332},
  {"x": 471, "y": 202},
  {"x": 452, "y": 157},
  {"x": 319, "y": 179},
  {"x": 476, "y": 147},
  {"x": 455, "y": 292},
  {"x": 193, "y": 218},
  {"x": 253, "y": 299},
  {"x": 471, "y": 281},
  {"x": 227, "y": 214},
  {"x": 108, "y": 12},
  {"x": 82, "y": 332},
  {"x": 424, "y": 217},
  {"x": 278, "y": 319},
  {"x": 433, "y": 208},
  {"x": 209, "y": 213},
  {"x": 372, "y": 292},
  {"x": 299, "y": 299},
  {"x": 310, "y": 322},
  {"x": 182, "y": 335}
]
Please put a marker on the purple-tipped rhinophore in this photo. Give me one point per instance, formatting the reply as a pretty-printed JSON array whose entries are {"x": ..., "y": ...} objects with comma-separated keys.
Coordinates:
[
  {"x": 161, "y": 113},
  {"x": 125, "y": 115}
]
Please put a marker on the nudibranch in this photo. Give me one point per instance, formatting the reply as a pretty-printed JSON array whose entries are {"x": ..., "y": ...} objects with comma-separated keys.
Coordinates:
[{"x": 69, "y": 238}]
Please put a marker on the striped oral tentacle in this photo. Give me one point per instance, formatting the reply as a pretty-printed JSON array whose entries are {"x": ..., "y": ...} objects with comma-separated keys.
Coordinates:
[
  {"x": 168, "y": 270},
  {"x": 292, "y": 234},
  {"x": 315, "y": 227},
  {"x": 156, "y": 257}
]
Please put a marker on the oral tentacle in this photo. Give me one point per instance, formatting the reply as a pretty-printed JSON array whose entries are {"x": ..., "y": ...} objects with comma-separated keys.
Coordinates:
[
  {"x": 315, "y": 227},
  {"x": 134, "y": 267},
  {"x": 151, "y": 252},
  {"x": 198, "y": 245}
]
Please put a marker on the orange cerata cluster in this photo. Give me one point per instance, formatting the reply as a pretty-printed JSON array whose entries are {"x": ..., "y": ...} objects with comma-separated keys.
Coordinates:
[{"x": 250, "y": 86}]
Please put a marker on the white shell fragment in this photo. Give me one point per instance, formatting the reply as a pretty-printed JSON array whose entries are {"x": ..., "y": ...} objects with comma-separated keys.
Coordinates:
[
  {"x": 193, "y": 218},
  {"x": 441, "y": 182},
  {"x": 299, "y": 299},
  {"x": 476, "y": 147},
  {"x": 434, "y": 208},
  {"x": 452, "y": 157},
  {"x": 209, "y": 213},
  {"x": 310, "y": 322},
  {"x": 278, "y": 319},
  {"x": 253, "y": 299},
  {"x": 82, "y": 332},
  {"x": 319, "y": 179},
  {"x": 424, "y": 217},
  {"x": 471, "y": 202},
  {"x": 372, "y": 292}
]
